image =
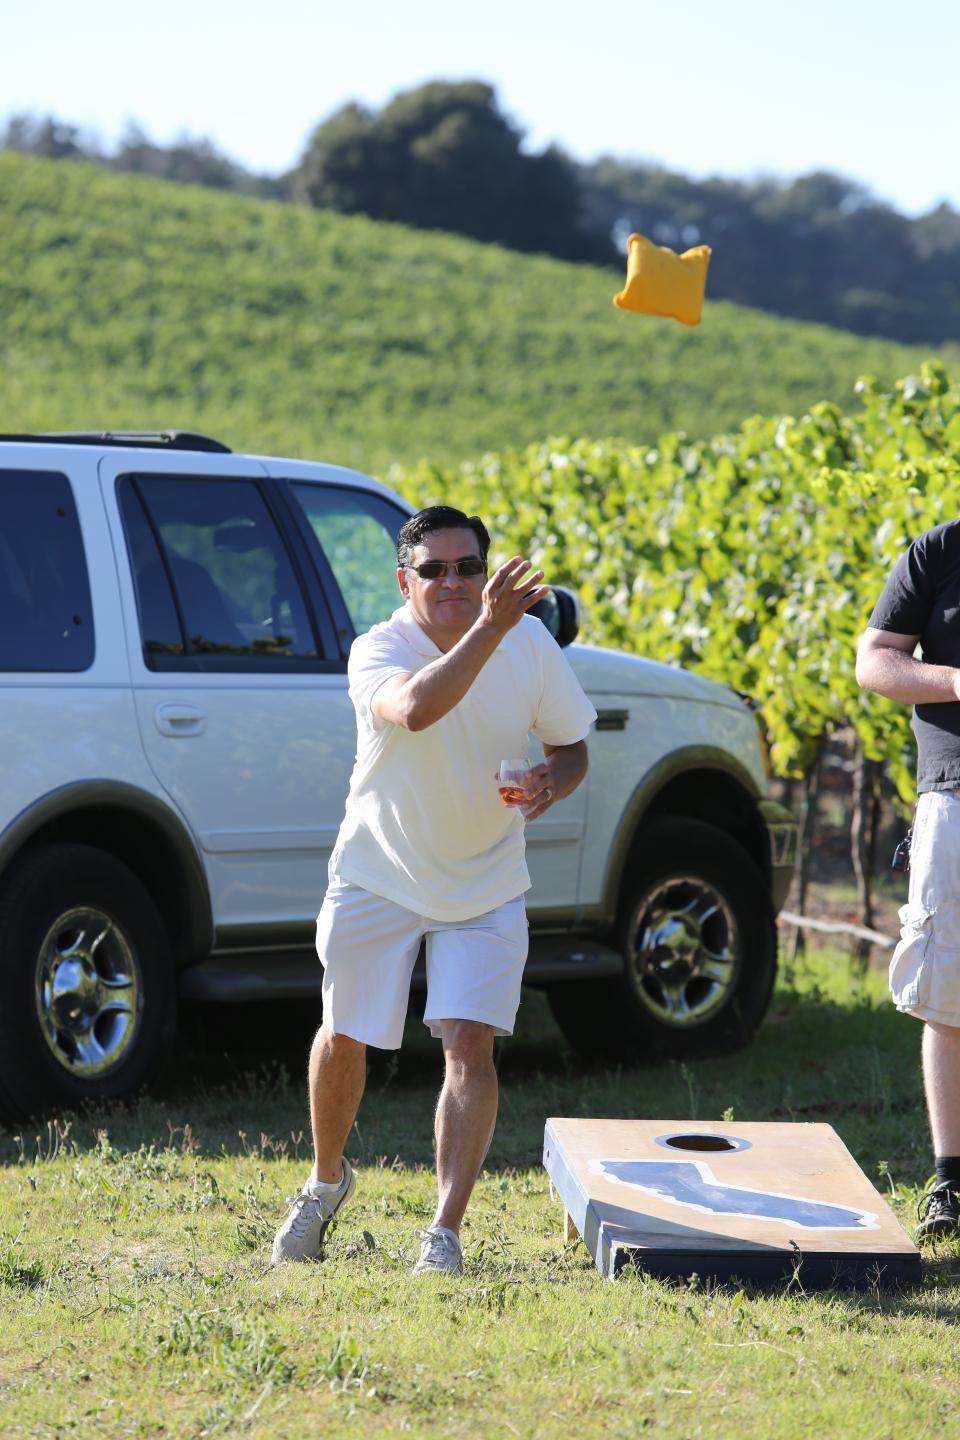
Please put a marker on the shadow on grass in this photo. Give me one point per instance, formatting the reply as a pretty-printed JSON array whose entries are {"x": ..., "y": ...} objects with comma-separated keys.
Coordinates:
[
  {"x": 936, "y": 1297},
  {"x": 239, "y": 1083}
]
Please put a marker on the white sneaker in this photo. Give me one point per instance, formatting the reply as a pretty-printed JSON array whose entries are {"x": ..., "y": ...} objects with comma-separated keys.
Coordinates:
[
  {"x": 300, "y": 1237},
  {"x": 440, "y": 1252}
]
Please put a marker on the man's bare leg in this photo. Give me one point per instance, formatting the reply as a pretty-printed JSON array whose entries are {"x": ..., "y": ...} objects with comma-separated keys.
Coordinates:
[
  {"x": 466, "y": 1115},
  {"x": 338, "y": 1072},
  {"x": 941, "y": 1082}
]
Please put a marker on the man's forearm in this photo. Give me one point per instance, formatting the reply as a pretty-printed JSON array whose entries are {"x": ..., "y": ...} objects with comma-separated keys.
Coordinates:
[
  {"x": 898, "y": 676},
  {"x": 567, "y": 765},
  {"x": 563, "y": 768},
  {"x": 434, "y": 691}
]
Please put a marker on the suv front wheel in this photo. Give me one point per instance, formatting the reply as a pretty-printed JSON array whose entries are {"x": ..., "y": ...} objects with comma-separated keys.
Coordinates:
[
  {"x": 89, "y": 1001},
  {"x": 696, "y": 931}
]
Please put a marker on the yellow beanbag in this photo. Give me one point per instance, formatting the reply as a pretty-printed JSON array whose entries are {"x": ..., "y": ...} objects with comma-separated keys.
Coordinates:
[{"x": 660, "y": 282}]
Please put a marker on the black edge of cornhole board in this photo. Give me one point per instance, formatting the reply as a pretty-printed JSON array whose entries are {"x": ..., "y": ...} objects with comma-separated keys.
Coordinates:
[
  {"x": 760, "y": 1264},
  {"x": 821, "y": 1271}
]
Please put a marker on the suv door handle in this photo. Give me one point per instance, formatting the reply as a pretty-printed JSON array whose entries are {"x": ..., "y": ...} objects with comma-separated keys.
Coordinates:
[{"x": 180, "y": 720}]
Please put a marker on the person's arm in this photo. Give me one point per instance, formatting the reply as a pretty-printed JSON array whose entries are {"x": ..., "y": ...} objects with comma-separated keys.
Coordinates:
[
  {"x": 565, "y": 767},
  {"x": 885, "y": 664},
  {"x": 417, "y": 701}
]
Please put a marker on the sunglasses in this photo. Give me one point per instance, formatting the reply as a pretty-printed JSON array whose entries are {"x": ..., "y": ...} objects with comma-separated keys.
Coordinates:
[{"x": 437, "y": 569}]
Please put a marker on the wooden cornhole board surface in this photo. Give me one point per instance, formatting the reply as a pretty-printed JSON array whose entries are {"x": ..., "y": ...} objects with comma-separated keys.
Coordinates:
[{"x": 694, "y": 1206}]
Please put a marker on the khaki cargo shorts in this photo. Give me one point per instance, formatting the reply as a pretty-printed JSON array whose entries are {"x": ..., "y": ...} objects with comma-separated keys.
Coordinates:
[{"x": 925, "y": 968}]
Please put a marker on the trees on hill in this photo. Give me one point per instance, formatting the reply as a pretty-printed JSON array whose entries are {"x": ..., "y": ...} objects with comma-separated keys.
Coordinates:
[
  {"x": 189, "y": 160},
  {"x": 45, "y": 136},
  {"x": 445, "y": 157}
]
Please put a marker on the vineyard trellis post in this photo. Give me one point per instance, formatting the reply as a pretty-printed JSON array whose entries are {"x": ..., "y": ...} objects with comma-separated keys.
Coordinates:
[
  {"x": 864, "y": 828},
  {"x": 806, "y": 829}
]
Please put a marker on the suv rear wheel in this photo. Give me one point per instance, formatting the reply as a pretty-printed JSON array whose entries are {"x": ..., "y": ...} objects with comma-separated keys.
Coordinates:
[
  {"x": 88, "y": 1006},
  {"x": 696, "y": 930}
]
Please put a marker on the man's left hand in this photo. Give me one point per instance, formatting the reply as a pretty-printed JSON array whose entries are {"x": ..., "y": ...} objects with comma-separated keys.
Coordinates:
[
  {"x": 540, "y": 792},
  {"x": 565, "y": 767}
]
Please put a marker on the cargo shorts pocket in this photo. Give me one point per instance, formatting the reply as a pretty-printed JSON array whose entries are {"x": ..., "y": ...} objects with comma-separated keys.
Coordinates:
[{"x": 913, "y": 957}]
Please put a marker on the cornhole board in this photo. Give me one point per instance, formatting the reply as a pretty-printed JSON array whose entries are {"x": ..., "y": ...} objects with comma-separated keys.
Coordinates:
[{"x": 725, "y": 1201}]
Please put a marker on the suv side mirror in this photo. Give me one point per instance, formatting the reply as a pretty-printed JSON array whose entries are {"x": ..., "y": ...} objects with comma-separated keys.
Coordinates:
[{"x": 560, "y": 612}]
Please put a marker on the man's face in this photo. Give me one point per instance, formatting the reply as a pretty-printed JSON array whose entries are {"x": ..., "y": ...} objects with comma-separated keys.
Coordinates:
[{"x": 446, "y": 607}]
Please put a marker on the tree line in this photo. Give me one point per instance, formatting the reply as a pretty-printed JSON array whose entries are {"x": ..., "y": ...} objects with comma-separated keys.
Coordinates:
[{"x": 445, "y": 156}]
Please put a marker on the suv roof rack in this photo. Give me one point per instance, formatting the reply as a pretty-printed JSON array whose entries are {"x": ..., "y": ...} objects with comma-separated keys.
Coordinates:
[{"x": 146, "y": 439}]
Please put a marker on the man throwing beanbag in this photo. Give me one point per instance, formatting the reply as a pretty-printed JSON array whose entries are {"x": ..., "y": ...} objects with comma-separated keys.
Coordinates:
[{"x": 429, "y": 849}]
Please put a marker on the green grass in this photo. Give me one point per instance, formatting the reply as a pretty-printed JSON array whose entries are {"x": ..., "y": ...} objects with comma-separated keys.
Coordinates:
[
  {"x": 128, "y": 302},
  {"x": 136, "y": 1298}
]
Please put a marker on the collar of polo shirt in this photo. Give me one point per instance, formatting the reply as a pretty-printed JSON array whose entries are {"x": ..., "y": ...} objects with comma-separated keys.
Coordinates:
[{"x": 419, "y": 640}]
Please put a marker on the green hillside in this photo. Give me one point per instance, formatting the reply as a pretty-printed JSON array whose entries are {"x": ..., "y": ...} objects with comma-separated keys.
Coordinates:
[{"x": 128, "y": 302}]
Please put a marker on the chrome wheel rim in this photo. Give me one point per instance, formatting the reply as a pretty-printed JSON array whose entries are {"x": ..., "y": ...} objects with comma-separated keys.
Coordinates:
[
  {"x": 89, "y": 992},
  {"x": 683, "y": 951}
]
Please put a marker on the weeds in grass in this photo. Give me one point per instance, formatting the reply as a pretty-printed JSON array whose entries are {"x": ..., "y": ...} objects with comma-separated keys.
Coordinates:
[
  {"x": 347, "y": 1363},
  {"x": 249, "y": 1235},
  {"x": 16, "y": 1272},
  {"x": 497, "y": 1296},
  {"x": 238, "y": 1345},
  {"x": 47, "y": 1149},
  {"x": 883, "y": 1172},
  {"x": 188, "y": 1143},
  {"x": 688, "y": 1080},
  {"x": 416, "y": 1207}
]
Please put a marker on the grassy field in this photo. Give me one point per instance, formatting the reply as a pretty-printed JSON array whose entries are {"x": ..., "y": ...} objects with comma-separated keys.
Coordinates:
[
  {"x": 136, "y": 1296},
  {"x": 128, "y": 302}
]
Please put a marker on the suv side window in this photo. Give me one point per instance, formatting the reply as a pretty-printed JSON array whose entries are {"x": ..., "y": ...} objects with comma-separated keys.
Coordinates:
[
  {"x": 357, "y": 532},
  {"x": 46, "y": 617},
  {"x": 216, "y": 586}
]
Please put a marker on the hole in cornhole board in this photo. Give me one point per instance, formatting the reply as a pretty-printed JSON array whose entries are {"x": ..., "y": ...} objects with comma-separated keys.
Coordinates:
[{"x": 700, "y": 1142}]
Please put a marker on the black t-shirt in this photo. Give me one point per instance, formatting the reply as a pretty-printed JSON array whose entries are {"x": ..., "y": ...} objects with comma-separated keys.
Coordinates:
[{"x": 922, "y": 597}]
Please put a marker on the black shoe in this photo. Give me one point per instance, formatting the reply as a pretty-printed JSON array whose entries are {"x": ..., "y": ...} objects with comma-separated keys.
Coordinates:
[{"x": 939, "y": 1213}]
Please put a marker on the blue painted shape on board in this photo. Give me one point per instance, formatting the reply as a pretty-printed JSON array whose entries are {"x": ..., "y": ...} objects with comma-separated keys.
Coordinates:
[{"x": 691, "y": 1183}]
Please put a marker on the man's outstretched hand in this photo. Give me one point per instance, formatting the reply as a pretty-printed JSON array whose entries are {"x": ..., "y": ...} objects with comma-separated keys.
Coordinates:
[{"x": 510, "y": 592}]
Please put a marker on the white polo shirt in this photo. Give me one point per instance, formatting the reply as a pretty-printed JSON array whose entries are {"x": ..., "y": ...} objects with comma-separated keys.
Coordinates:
[{"x": 424, "y": 824}]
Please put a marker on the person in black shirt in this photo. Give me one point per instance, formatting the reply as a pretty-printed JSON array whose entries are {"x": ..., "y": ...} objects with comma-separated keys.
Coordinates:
[{"x": 920, "y": 604}]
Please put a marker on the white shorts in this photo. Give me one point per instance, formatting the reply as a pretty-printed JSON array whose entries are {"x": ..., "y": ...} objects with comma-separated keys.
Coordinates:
[
  {"x": 925, "y": 969},
  {"x": 368, "y": 947}
]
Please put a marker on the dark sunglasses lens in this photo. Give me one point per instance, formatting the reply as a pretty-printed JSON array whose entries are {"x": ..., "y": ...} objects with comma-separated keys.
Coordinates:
[{"x": 433, "y": 569}]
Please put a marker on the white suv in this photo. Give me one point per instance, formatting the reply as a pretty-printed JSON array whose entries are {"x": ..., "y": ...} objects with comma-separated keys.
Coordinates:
[{"x": 177, "y": 743}]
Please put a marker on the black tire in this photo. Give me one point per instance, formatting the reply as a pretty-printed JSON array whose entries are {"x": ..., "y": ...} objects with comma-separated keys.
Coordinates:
[
  {"x": 691, "y": 898},
  {"x": 89, "y": 995}
]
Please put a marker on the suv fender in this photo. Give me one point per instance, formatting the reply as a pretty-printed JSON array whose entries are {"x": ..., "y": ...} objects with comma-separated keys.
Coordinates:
[
  {"x": 661, "y": 791},
  {"x": 138, "y": 829}
]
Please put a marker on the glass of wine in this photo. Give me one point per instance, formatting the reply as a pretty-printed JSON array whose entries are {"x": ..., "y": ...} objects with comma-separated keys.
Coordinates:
[{"x": 512, "y": 780}]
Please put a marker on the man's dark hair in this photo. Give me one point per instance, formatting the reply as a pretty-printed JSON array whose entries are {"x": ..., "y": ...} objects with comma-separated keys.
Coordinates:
[{"x": 438, "y": 517}]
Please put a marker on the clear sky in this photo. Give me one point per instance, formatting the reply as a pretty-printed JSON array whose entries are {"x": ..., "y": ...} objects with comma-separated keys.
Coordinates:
[{"x": 867, "y": 88}]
